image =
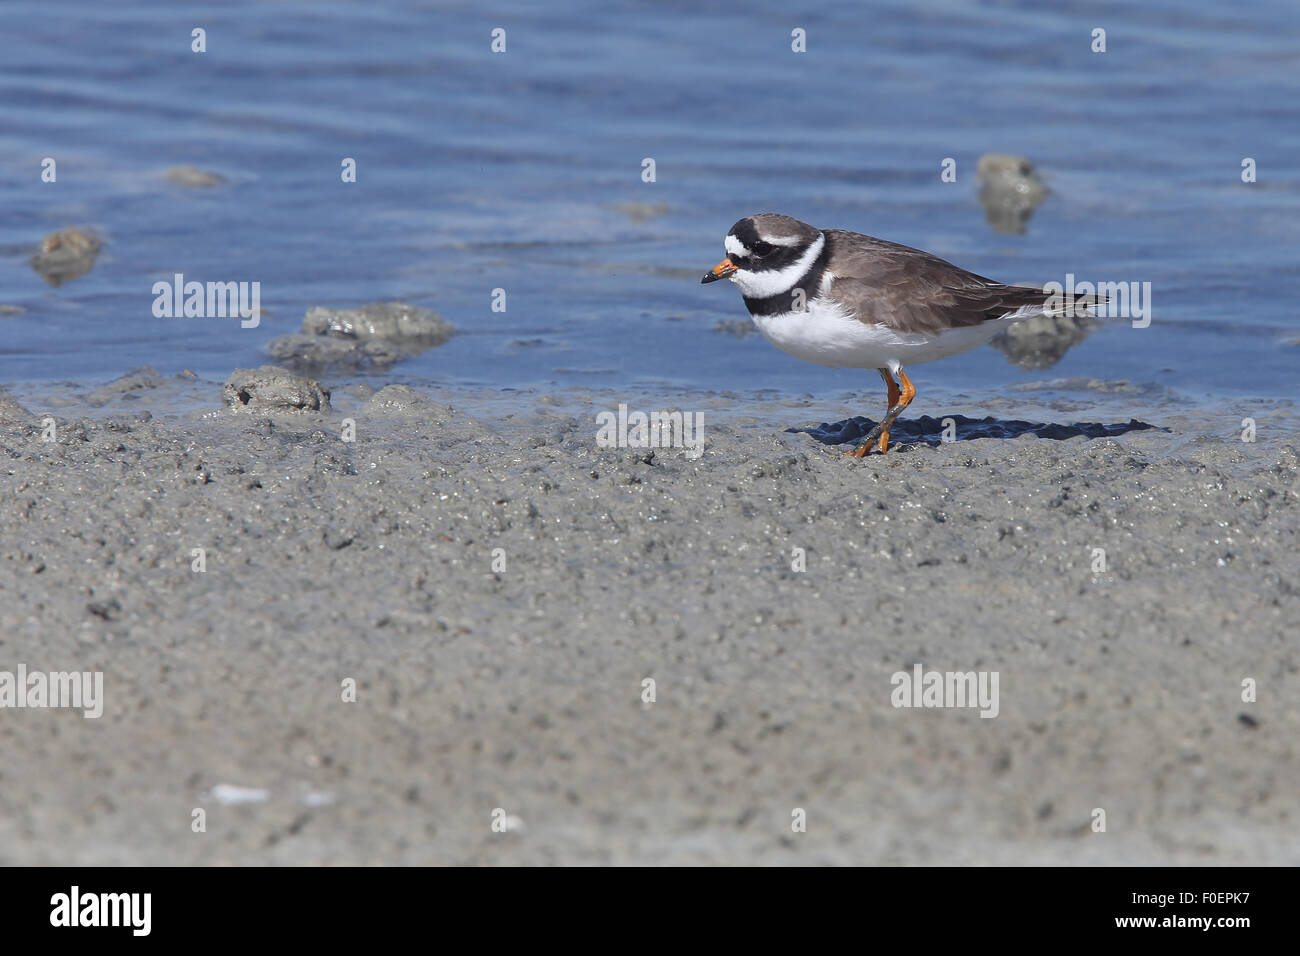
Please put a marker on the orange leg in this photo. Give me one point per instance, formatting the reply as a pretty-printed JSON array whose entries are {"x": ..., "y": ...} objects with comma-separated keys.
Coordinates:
[
  {"x": 892, "y": 392},
  {"x": 905, "y": 399},
  {"x": 898, "y": 400},
  {"x": 892, "y": 386}
]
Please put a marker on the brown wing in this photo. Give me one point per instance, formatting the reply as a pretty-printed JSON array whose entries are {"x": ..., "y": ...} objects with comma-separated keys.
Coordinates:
[{"x": 912, "y": 291}]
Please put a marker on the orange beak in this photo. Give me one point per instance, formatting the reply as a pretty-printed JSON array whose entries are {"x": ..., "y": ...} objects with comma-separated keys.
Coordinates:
[{"x": 723, "y": 269}]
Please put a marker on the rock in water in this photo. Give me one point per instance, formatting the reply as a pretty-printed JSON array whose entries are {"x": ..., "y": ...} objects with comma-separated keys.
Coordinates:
[
  {"x": 1010, "y": 191},
  {"x": 373, "y": 336},
  {"x": 193, "y": 176},
  {"x": 66, "y": 255},
  {"x": 1042, "y": 341}
]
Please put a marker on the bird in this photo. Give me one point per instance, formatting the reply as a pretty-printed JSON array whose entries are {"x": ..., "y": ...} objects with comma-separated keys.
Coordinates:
[{"x": 846, "y": 300}]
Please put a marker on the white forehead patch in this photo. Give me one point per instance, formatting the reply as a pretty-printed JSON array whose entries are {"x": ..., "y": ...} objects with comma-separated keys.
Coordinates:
[{"x": 735, "y": 247}]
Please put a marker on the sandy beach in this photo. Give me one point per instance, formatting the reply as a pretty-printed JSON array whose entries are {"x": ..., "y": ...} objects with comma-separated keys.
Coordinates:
[{"x": 500, "y": 588}]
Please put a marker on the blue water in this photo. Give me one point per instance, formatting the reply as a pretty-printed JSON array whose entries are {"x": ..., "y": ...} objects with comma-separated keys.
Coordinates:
[{"x": 479, "y": 171}]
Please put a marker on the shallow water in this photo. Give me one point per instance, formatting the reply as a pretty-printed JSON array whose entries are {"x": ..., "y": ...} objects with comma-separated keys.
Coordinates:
[{"x": 479, "y": 171}]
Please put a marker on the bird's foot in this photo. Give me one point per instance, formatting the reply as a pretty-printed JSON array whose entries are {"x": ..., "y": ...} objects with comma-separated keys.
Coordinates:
[{"x": 877, "y": 436}]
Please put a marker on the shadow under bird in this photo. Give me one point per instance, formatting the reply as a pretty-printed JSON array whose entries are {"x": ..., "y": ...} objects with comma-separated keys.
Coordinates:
[{"x": 845, "y": 300}]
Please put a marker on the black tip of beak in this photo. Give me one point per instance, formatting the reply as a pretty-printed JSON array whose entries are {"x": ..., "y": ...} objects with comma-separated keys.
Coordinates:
[{"x": 710, "y": 277}]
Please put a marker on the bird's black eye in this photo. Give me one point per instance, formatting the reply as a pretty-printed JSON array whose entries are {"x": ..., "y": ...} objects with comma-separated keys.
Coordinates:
[{"x": 763, "y": 248}]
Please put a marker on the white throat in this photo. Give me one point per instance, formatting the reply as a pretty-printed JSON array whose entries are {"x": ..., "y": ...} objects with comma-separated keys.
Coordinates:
[{"x": 761, "y": 285}]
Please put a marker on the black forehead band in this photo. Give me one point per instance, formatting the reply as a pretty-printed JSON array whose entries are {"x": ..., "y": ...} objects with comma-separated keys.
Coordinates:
[{"x": 746, "y": 233}]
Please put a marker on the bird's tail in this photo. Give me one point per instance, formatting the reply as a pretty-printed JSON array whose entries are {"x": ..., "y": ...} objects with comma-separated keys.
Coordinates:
[{"x": 1073, "y": 304}]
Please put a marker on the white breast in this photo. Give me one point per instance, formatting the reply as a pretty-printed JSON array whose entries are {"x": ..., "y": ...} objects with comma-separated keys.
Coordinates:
[{"x": 827, "y": 335}]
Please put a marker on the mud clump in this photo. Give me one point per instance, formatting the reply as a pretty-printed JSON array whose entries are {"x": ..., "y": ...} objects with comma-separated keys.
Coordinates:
[
  {"x": 132, "y": 385},
  {"x": 12, "y": 411},
  {"x": 1042, "y": 341},
  {"x": 402, "y": 400},
  {"x": 66, "y": 255},
  {"x": 1010, "y": 191},
  {"x": 640, "y": 212},
  {"x": 374, "y": 336},
  {"x": 193, "y": 177},
  {"x": 273, "y": 389}
]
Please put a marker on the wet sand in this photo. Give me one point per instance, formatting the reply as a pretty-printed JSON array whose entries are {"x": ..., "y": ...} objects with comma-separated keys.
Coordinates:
[{"x": 520, "y": 688}]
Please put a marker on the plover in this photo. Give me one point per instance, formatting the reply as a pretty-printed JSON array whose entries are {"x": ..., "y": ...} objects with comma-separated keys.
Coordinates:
[{"x": 846, "y": 300}]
